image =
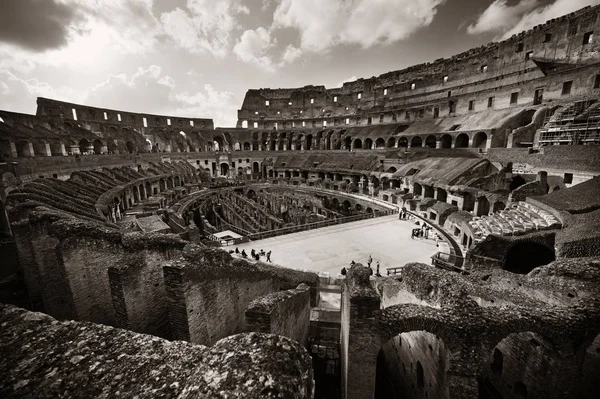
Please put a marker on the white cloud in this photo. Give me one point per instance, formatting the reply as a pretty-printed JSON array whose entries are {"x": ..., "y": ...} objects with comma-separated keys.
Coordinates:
[
  {"x": 509, "y": 20},
  {"x": 253, "y": 46},
  {"x": 290, "y": 55},
  {"x": 326, "y": 23},
  {"x": 350, "y": 79},
  {"x": 19, "y": 95},
  {"x": 148, "y": 90},
  {"x": 206, "y": 28}
]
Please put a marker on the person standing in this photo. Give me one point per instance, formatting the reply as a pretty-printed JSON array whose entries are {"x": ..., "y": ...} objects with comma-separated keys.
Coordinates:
[
  {"x": 269, "y": 256},
  {"x": 369, "y": 261}
]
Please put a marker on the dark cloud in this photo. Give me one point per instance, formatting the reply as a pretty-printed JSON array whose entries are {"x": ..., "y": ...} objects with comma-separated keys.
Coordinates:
[{"x": 37, "y": 25}]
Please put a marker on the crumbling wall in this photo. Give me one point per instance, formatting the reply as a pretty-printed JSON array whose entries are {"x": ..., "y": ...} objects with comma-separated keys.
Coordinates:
[
  {"x": 43, "y": 358},
  {"x": 284, "y": 313}
]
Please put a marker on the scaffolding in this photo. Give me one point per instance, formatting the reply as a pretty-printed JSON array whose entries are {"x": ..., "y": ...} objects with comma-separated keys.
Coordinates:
[{"x": 564, "y": 128}]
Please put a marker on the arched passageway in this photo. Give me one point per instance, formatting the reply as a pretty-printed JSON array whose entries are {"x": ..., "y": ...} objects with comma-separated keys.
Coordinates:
[
  {"x": 98, "y": 147},
  {"x": 413, "y": 365},
  {"x": 526, "y": 365},
  {"x": 446, "y": 141},
  {"x": 416, "y": 142},
  {"x": 368, "y": 144},
  {"x": 380, "y": 143},
  {"x": 430, "y": 141},
  {"x": 224, "y": 169},
  {"x": 83, "y": 146},
  {"x": 462, "y": 141},
  {"x": 523, "y": 257},
  {"x": 391, "y": 142},
  {"x": 130, "y": 147},
  {"x": 480, "y": 140},
  {"x": 357, "y": 144},
  {"x": 403, "y": 142},
  {"x": 417, "y": 189}
]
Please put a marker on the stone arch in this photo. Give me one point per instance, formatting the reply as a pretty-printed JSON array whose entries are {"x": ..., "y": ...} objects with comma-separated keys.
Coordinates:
[
  {"x": 403, "y": 142},
  {"x": 357, "y": 143},
  {"x": 224, "y": 168},
  {"x": 309, "y": 141},
  {"x": 130, "y": 147},
  {"x": 417, "y": 189},
  {"x": 392, "y": 169},
  {"x": 521, "y": 358},
  {"x": 430, "y": 141},
  {"x": 416, "y": 141},
  {"x": 461, "y": 141},
  {"x": 162, "y": 185},
  {"x": 247, "y": 146},
  {"x": 446, "y": 141},
  {"x": 218, "y": 143},
  {"x": 255, "y": 167},
  {"x": 83, "y": 146},
  {"x": 136, "y": 194},
  {"x": 358, "y": 207},
  {"x": 498, "y": 206},
  {"x": 368, "y": 143},
  {"x": 347, "y": 143},
  {"x": 524, "y": 256},
  {"x": 98, "y": 146},
  {"x": 380, "y": 143},
  {"x": 480, "y": 140},
  {"x": 240, "y": 171}
]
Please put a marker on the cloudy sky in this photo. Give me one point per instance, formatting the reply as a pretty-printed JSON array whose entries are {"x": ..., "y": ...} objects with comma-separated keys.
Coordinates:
[{"x": 198, "y": 57}]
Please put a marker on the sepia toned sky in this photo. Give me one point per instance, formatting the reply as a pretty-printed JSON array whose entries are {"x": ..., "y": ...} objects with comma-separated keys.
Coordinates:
[{"x": 197, "y": 58}]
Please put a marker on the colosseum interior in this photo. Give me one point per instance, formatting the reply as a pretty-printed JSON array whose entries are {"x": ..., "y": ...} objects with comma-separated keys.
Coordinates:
[{"x": 122, "y": 271}]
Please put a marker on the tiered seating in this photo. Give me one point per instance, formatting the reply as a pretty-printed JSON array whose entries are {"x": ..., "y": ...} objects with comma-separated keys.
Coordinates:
[{"x": 520, "y": 218}]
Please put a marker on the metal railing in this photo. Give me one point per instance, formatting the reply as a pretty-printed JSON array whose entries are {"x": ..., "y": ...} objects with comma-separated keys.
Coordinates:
[
  {"x": 317, "y": 225},
  {"x": 448, "y": 261}
]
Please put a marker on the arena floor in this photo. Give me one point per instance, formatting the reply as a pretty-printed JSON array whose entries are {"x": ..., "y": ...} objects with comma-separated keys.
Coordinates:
[{"x": 328, "y": 249}]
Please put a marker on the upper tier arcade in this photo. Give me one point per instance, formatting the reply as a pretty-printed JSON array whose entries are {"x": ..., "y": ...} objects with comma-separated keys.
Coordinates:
[{"x": 553, "y": 62}]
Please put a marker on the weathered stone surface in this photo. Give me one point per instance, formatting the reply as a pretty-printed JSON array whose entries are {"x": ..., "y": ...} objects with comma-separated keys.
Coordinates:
[{"x": 43, "y": 358}]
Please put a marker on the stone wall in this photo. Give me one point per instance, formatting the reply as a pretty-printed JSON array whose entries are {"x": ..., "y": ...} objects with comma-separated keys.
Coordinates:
[
  {"x": 284, "y": 313},
  {"x": 45, "y": 358}
]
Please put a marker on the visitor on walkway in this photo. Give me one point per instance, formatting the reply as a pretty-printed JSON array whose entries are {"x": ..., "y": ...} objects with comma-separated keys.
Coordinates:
[
  {"x": 343, "y": 271},
  {"x": 370, "y": 271},
  {"x": 369, "y": 261},
  {"x": 377, "y": 267},
  {"x": 269, "y": 256},
  {"x": 352, "y": 263},
  {"x": 262, "y": 252},
  {"x": 253, "y": 253},
  {"x": 244, "y": 254},
  {"x": 237, "y": 250}
]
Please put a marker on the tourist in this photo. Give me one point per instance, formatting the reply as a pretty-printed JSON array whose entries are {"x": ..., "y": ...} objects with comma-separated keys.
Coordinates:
[
  {"x": 262, "y": 252},
  {"x": 237, "y": 250},
  {"x": 352, "y": 263},
  {"x": 244, "y": 254},
  {"x": 269, "y": 256},
  {"x": 253, "y": 253},
  {"x": 378, "y": 267},
  {"x": 343, "y": 271},
  {"x": 370, "y": 270},
  {"x": 369, "y": 261}
]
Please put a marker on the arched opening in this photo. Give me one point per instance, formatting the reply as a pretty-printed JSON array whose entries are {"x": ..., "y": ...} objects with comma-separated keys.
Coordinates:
[
  {"x": 416, "y": 142},
  {"x": 224, "y": 169},
  {"x": 368, "y": 144},
  {"x": 391, "y": 142},
  {"x": 417, "y": 189},
  {"x": 218, "y": 143},
  {"x": 498, "y": 206},
  {"x": 462, "y": 141},
  {"x": 251, "y": 194},
  {"x": 483, "y": 206},
  {"x": 403, "y": 142},
  {"x": 430, "y": 141},
  {"x": 442, "y": 195},
  {"x": 162, "y": 185},
  {"x": 525, "y": 256},
  {"x": 446, "y": 141},
  {"x": 516, "y": 182},
  {"x": 83, "y": 146},
  {"x": 480, "y": 140},
  {"x": 98, "y": 147},
  {"x": 270, "y": 172},
  {"x": 369, "y": 210},
  {"x": 380, "y": 143},
  {"x": 240, "y": 171},
  {"x": 136, "y": 194},
  {"x": 392, "y": 169},
  {"x": 255, "y": 168},
  {"x": 130, "y": 147},
  {"x": 358, "y": 208},
  {"x": 357, "y": 144},
  {"x": 413, "y": 365},
  {"x": 309, "y": 142},
  {"x": 525, "y": 364},
  {"x": 247, "y": 146},
  {"x": 346, "y": 207}
]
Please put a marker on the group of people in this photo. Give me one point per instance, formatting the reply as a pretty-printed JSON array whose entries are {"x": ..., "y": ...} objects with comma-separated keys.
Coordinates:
[
  {"x": 424, "y": 231},
  {"x": 255, "y": 254},
  {"x": 369, "y": 261}
]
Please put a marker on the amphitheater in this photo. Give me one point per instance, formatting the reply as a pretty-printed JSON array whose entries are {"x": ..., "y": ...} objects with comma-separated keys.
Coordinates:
[{"x": 120, "y": 237}]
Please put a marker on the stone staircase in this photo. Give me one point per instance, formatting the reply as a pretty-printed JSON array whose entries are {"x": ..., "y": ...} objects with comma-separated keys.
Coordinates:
[{"x": 519, "y": 218}]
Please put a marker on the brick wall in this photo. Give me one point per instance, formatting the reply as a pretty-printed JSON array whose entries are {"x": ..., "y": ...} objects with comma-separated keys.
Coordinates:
[{"x": 284, "y": 313}]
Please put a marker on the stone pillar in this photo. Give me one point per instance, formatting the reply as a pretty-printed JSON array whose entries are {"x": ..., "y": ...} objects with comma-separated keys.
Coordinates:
[
  {"x": 438, "y": 143},
  {"x": 75, "y": 149},
  {"x": 360, "y": 303},
  {"x": 168, "y": 148},
  {"x": 13, "y": 150}
]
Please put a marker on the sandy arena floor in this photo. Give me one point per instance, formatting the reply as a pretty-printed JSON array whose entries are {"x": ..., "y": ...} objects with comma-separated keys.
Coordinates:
[{"x": 328, "y": 249}]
